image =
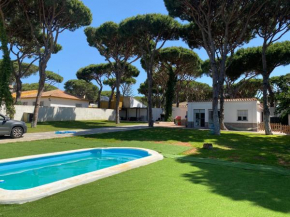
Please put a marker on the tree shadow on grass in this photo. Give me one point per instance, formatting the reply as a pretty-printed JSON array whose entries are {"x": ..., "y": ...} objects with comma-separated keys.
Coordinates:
[
  {"x": 82, "y": 124},
  {"x": 75, "y": 124},
  {"x": 268, "y": 190},
  {"x": 231, "y": 146},
  {"x": 185, "y": 135},
  {"x": 155, "y": 134}
]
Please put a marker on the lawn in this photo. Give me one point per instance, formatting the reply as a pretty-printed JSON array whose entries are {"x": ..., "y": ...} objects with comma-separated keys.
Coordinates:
[
  {"x": 175, "y": 186},
  {"x": 71, "y": 125}
]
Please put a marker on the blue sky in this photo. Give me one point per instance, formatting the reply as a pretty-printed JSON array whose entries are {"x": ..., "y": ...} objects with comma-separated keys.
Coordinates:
[{"x": 76, "y": 52}]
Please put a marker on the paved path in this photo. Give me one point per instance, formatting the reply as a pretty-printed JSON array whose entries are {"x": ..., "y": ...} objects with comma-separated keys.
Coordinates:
[
  {"x": 51, "y": 135},
  {"x": 167, "y": 124}
]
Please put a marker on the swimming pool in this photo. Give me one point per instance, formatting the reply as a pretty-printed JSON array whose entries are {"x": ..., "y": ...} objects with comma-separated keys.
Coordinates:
[{"x": 30, "y": 178}]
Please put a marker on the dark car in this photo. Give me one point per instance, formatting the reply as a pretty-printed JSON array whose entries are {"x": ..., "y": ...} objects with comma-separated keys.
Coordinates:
[{"x": 13, "y": 128}]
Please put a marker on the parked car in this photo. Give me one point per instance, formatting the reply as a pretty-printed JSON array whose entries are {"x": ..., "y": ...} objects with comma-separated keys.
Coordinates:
[{"x": 13, "y": 128}]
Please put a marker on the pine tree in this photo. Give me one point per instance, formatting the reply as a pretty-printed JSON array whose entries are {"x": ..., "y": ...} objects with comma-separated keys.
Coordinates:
[{"x": 5, "y": 73}]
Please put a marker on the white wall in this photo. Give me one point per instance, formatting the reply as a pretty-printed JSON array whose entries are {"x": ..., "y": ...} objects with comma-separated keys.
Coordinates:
[
  {"x": 289, "y": 119},
  {"x": 259, "y": 117},
  {"x": 156, "y": 113},
  {"x": 131, "y": 102},
  {"x": 65, "y": 113},
  {"x": 198, "y": 105},
  {"x": 181, "y": 111},
  {"x": 21, "y": 109},
  {"x": 58, "y": 102},
  {"x": 259, "y": 114},
  {"x": 142, "y": 113},
  {"x": 231, "y": 111},
  {"x": 31, "y": 101}
]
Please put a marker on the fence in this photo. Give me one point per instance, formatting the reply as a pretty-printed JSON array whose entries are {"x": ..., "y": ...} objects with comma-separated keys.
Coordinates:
[{"x": 276, "y": 127}]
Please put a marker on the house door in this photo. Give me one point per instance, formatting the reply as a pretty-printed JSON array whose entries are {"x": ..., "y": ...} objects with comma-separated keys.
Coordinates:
[{"x": 199, "y": 118}]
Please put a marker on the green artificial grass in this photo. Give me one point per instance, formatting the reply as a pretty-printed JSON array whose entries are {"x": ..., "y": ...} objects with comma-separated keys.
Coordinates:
[
  {"x": 168, "y": 188},
  {"x": 70, "y": 125},
  {"x": 171, "y": 187},
  {"x": 246, "y": 166},
  {"x": 230, "y": 146}
]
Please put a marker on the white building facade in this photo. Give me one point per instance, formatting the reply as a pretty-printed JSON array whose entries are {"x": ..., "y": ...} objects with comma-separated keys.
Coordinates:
[
  {"x": 240, "y": 114},
  {"x": 54, "y": 98},
  {"x": 57, "y": 102}
]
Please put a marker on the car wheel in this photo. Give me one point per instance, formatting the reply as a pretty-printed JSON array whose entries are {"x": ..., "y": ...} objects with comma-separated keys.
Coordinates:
[{"x": 17, "y": 132}]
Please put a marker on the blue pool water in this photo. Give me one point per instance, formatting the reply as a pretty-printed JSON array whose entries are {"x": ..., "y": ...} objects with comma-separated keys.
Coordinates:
[{"x": 25, "y": 174}]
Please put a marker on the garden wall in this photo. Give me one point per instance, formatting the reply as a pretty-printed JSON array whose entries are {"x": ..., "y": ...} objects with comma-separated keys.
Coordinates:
[
  {"x": 156, "y": 113},
  {"x": 65, "y": 114},
  {"x": 181, "y": 111}
]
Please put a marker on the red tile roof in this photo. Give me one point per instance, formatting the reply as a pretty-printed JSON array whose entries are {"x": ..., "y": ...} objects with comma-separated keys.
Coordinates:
[
  {"x": 233, "y": 100},
  {"x": 181, "y": 104},
  {"x": 54, "y": 93}
]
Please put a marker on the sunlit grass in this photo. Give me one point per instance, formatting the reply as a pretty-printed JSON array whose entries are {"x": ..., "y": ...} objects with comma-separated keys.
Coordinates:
[
  {"x": 70, "y": 125},
  {"x": 171, "y": 187}
]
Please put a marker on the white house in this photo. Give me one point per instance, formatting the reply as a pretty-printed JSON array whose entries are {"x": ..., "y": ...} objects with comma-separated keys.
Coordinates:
[
  {"x": 240, "y": 114},
  {"x": 54, "y": 98}
]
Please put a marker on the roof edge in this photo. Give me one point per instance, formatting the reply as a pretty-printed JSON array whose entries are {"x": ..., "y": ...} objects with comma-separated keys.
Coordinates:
[{"x": 232, "y": 100}]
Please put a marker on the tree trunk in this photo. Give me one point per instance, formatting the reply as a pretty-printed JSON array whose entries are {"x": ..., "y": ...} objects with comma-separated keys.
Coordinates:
[
  {"x": 18, "y": 89},
  {"x": 118, "y": 81},
  {"x": 111, "y": 97},
  {"x": 272, "y": 96},
  {"x": 99, "y": 96},
  {"x": 221, "y": 82},
  {"x": 215, "y": 101},
  {"x": 268, "y": 130},
  {"x": 170, "y": 94},
  {"x": 222, "y": 110},
  {"x": 150, "y": 113},
  {"x": 158, "y": 98},
  {"x": 177, "y": 98},
  {"x": 42, "y": 77}
]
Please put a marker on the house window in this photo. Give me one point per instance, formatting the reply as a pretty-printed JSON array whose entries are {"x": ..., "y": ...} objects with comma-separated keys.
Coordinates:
[
  {"x": 41, "y": 103},
  {"x": 242, "y": 115},
  {"x": 79, "y": 105},
  {"x": 25, "y": 103}
]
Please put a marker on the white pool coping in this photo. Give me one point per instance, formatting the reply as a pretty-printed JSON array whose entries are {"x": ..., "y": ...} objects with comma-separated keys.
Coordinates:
[{"x": 32, "y": 194}]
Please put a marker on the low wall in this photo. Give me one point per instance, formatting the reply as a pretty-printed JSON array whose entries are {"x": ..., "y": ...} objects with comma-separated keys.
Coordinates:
[
  {"x": 66, "y": 114},
  {"x": 242, "y": 126},
  {"x": 156, "y": 113},
  {"x": 232, "y": 126}
]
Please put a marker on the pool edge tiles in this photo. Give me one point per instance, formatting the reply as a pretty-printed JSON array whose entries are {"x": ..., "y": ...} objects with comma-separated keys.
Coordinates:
[{"x": 36, "y": 193}]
